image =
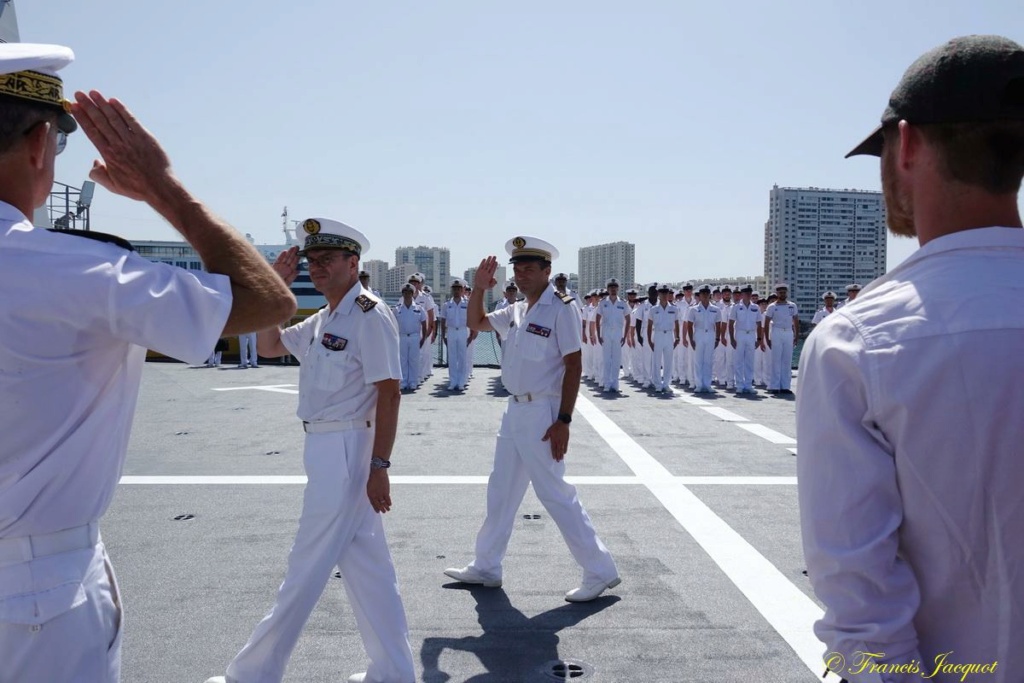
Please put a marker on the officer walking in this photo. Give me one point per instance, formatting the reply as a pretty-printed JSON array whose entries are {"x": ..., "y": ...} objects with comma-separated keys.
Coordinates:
[
  {"x": 541, "y": 368},
  {"x": 412, "y": 332},
  {"x": 784, "y": 327},
  {"x": 349, "y": 394}
]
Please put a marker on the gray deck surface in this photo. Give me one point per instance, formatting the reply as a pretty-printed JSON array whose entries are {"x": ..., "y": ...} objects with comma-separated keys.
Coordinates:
[{"x": 194, "y": 589}]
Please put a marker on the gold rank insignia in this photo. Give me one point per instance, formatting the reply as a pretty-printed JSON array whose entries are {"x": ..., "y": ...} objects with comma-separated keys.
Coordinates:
[
  {"x": 519, "y": 243},
  {"x": 364, "y": 302},
  {"x": 311, "y": 226},
  {"x": 566, "y": 298}
]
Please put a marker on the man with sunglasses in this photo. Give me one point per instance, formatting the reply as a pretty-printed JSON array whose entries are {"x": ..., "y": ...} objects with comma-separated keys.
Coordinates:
[
  {"x": 76, "y": 318},
  {"x": 909, "y": 405}
]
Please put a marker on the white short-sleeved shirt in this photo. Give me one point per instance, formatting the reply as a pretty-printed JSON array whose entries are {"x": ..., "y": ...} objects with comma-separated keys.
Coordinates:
[
  {"x": 704, "y": 319},
  {"x": 613, "y": 315},
  {"x": 910, "y": 467},
  {"x": 821, "y": 314},
  {"x": 409, "y": 318},
  {"x": 781, "y": 316},
  {"x": 341, "y": 354},
  {"x": 664, "y": 318},
  {"x": 726, "y": 310},
  {"x": 746, "y": 317},
  {"x": 76, "y": 318},
  {"x": 454, "y": 314},
  {"x": 426, "y": 301},
  {"x": 536, "y": 341}
]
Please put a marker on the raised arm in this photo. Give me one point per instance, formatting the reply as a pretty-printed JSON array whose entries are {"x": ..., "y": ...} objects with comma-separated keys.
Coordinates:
[{"x": 476, "y": 316}]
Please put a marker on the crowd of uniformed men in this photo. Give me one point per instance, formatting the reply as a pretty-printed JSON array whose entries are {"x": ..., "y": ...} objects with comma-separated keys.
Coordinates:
[{"x": 694, "y": 337}]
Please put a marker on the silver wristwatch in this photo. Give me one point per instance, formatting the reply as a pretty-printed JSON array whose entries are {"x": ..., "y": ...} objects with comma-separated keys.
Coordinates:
[{"x": 379, "y": 463}]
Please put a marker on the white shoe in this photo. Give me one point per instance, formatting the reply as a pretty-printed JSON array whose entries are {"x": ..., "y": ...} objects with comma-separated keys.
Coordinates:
[
  {"x": 357, "y": 678},
  {"x": 472, "y": 575},
  {"x": 217, "y": 679},
  {"x": 589, "y": 591}
]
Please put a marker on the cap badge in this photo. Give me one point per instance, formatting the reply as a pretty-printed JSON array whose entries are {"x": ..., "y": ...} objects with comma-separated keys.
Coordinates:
[
  {"x": 311, "y": 226},
  {"x": 519, "y": 243}
]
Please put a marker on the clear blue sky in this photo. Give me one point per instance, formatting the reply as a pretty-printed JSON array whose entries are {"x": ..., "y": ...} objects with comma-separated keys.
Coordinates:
[{"x": 462, "y": 123}]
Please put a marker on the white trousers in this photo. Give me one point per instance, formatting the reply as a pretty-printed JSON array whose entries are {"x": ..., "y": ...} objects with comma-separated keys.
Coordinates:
[
  {"x": 718, "y": 364},
  {"x": 426, "y": 360},
  {"x": 409, "y": 353},
  {"x": 686, "y": 371},
  {"x": 782, "y": 359},
  {"x": 61, "y": 619},
  {"x": 703, "y": 359},
  {"x": 337, "y": 528},
  {"x": 759, "y": 356},
  {"x": 646, "y": 362},
  {"x": 730, "y": 367},
  {"x": 521, "y": 458},
  {"x": 743, "y": 357},
  {"x": 661, "y": 367},
  {"x": 247, "y": 349},
  {"x": 458, "y": 373},
  {"x": 612, "y": 358}
]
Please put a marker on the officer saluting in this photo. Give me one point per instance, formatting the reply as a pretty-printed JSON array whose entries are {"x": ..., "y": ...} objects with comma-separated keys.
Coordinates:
[
  {"x": 348, "y": 403},
  {"x": 541, "y": 368}
]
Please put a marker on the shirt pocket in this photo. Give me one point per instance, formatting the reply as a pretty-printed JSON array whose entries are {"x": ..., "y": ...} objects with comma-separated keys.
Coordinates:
[
  {"x": 331, "y": 369},
  {"x": 533, "y": 346}
]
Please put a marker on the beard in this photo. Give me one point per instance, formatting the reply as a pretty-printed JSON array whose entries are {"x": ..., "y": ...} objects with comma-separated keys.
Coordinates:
[{"x": 899, "y": 207}]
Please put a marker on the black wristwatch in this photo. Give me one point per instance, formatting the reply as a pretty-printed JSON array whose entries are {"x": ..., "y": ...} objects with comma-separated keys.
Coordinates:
[
  {"x": 565, "y": 417},
  {"x": 379, "y": 463}
]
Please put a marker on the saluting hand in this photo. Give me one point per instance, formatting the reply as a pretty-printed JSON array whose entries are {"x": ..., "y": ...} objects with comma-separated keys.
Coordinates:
[
  {"x": 287, "y": 265},
  {"x": 133, "y": 163},
  {"x": 558, "y": 435},
  {"x": 483, "y": 279}
]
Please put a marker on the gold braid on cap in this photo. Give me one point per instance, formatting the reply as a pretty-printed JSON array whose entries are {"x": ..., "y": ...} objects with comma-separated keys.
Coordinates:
[
  {"x": 538, "y": 253},
  {"x": 36, "y": 87}
]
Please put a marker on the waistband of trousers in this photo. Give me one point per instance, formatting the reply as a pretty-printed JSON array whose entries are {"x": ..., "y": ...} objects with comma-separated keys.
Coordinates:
[
  {"x": 26, "y": 548},
  {"x": 335, "y": 426},
  {"x": 530, "y": 397}
]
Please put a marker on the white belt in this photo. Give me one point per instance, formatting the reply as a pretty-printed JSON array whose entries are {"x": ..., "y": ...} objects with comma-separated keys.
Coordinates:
[
  {"x": 528, "y": 397},
  {"x": 25, "y": 548},
  {"x": 335, "y": 426}
]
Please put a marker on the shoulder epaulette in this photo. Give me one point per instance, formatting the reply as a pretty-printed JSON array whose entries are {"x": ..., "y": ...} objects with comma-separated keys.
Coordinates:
[
  {"x": 366, "y": 303},
  {"x": 97, "y": 236},
  {"x": 566, "y": 298}
]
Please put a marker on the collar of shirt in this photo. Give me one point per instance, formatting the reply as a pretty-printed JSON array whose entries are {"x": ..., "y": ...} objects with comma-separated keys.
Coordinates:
[
  {"x": 9, "y": 213},
  {"x": 349, "y": 300}
]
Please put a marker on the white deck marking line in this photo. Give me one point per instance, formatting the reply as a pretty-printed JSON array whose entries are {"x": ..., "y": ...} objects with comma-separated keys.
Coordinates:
[
  {"x": 727, "y": 415},
  {"x": 276, "y": 388},
  {"x": 792, "y": 450},
  {"x": 288, "y": 479},
  {"x": 783, "y": 605},
  {"x": 765, "y": 433},
  {"x": 687, "y": 397}
]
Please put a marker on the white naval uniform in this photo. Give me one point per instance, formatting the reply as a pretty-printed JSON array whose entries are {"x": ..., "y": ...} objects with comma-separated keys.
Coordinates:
[
  {"x": 614, "y": 316},
  {"x": 410, "y": 331},
  {"x": 532, "y": 370},
  {"x": 646, "y": 353},
  {"x": 745, "y": 319},
  {"x": 76, "y": 318},
  {"x": 686, "y": 369},
  {"x": 341, "y": 354},
  {"x": 781, "y": 317},
  {"x": 704, "y": 333},
  {"x": 821, "y": 314},
  {"x": 728, "y": 376},
  {"x": 247, "y": 350},
  {"x": 456, "y": 335},
  {"x": 665, "y": 321},
  {"x": 426, "y": 301}
]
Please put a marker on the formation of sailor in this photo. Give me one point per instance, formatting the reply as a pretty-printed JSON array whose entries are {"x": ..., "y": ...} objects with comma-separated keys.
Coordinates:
[
  {"x": 456, "y": 335},
  {"x": 745, "y": 336},
  {"x": 662, "y": 332},
  {"x": 541, "y": 368},
  {"x": 425, "y": 299},
  {"x": 412, "y": 334},
  {"x": 782, "y": 327},
  {"x": 829, "y": 300},
  {"x": 611, "y": 320},
  {"x": 852, "y": 290},
  {"x": 704, "y": 332}
]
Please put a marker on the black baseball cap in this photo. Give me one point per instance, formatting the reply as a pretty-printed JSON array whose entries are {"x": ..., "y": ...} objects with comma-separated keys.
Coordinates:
[{"x": 970, "y": 79}]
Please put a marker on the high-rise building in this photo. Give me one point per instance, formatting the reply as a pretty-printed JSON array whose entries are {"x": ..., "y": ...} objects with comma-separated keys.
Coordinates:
[
  {"x": 494, "y": 294},
  {"x": 395, "y": 278},
  {"x": 603, "y": 261},
  {"x": 433, "y": 262},
  {"x": 378, "y": 271},
  {"x": 817, "y": 240}
]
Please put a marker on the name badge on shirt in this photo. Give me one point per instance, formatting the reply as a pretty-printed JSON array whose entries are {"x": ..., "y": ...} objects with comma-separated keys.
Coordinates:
[
  {"x": 534, "y": 328},
  {"x": 333, "y": 343}
]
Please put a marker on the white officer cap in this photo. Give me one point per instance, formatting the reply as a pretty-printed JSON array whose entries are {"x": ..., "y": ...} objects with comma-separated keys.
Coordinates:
[
  {"x": 688, "y": 286},
  {"x": 324, "y": 233},
  {"x": 664, "y": 288},
  {"x": 781, "y": 285},
  {"x": 631, "y": 290},
  {"x": 746, "y": 288},
  {"x": 407, "y": 288},
  {"x": 853, "y": 288},
  {"x": 704, "y": 288},
  {"x": 427, "y": 289},
  {"x": 756, "y": 293},
  {"x": 28, "y": 73},
  {"x": 523, "y": 248},
  {"x": 416, "y": 277},
  {"x": 561, "y": 276},
  {"x": 828, "y": 295},
  {"x": 611, "y": 281},
  {"x": 510, "y": 285},
  {"x": 458, "y": 282}
]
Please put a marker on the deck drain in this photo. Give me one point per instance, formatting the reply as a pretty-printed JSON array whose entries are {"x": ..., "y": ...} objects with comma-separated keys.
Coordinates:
[
  {"x": 567, "y": 670},
  {"x": 182, "y": 518},
  {"x": 531, "y": 516}
]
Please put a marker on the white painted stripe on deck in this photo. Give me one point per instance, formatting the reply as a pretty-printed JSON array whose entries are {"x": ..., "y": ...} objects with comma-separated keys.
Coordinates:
[
  {"x": 727, "y": 415},
  {"x": 792, "y": 450},
  {"x": 737, "y": 481},
  {"x": 769, "y": 434},
  {"x": 222, "y": 480},
  {"x": 276, "y": 388},
  {"x": 687, "y": 397},
  {"x": 783, "y": 605}
]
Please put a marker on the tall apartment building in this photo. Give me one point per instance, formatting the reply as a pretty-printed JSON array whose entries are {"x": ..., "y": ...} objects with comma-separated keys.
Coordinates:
[
  {"x": 378, "y": 271},
  {"x": 433, "y": 262},
  {"x": 603, "y": 261},
  {"x": 394, "y": 278},
  {"x": 496, "y": 293},
  {"x": 817, "y": 240}
]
